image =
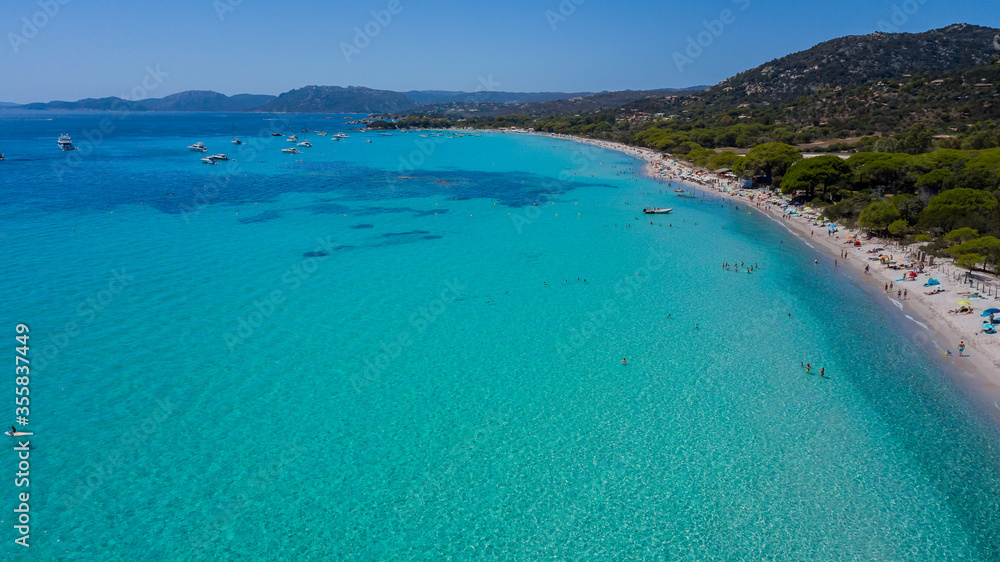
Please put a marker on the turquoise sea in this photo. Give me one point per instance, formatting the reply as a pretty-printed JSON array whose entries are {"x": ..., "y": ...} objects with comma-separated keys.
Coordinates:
[{"x": 411, "y": 349}]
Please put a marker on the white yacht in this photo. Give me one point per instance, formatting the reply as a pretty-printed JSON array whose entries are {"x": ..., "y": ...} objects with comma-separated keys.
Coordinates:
[
  {"x": 209, "y": 160},
  {"x": 237, "y": 141},
  {"x": 219, "y": 157},
  {"x": 305, "y": 143},
  {"x": 291, "y": 150},
  {"x": 321, "y": 133},
  {"x": 341, "y": 135},
  {"x": 65, "y": 142},
  {"x": 198, "y": 147},
  {"x": 292, "y": 138}
]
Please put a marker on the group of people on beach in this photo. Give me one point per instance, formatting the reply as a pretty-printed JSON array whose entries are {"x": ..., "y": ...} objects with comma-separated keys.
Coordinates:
[{"x": 900, "y": 293}]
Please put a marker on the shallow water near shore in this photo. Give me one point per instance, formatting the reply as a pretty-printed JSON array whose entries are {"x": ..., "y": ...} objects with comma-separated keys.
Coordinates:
[{"x": 411, "y": 348}]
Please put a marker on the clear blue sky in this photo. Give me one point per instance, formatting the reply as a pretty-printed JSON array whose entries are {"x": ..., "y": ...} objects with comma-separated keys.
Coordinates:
[{"x": 101, "y": 48}]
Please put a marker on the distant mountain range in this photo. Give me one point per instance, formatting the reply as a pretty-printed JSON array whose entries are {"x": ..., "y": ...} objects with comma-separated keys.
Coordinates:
[
  {"x": 574, "y": 104},
  {"x": 426, "y": 97},
  {"x": 352, "y": 99},
  {"x": 334, "y": 99},
  {"x": 184, "y": 101},
  {"x": 839, "y": 63}
]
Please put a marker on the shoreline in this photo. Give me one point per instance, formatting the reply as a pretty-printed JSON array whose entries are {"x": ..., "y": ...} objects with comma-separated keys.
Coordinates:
[{"x": 978, "y": 368}]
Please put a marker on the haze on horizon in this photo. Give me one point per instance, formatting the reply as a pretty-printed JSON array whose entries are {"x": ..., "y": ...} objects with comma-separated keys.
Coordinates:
[{"x": 67, "y": 50}]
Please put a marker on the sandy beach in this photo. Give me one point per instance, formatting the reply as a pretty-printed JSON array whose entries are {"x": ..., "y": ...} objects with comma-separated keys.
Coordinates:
[{"x": 979, "y": 365}]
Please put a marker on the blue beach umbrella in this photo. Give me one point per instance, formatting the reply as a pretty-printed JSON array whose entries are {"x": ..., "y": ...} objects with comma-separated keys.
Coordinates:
[{"x": 991, "y": 311}]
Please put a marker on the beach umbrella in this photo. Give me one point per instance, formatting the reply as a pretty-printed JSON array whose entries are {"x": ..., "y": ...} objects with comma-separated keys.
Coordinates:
[
  {"x": 991, "y": 311},
  {"x": 913, "y": 274},
  {"x": 964, "y": 303}
]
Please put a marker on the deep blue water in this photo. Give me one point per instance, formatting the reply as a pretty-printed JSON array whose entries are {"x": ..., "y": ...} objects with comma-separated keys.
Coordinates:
[{"x": 411, "y": 348}]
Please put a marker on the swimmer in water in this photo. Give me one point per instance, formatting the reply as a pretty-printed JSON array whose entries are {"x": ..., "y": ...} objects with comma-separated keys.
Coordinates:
[{"x": 624, "y": 361}]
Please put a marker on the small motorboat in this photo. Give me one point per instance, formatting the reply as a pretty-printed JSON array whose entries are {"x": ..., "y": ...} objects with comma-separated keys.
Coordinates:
[
  {"x": 341, "y": 135},
  {"x": 198, "y": 147},
  {"x": 321, "y": 133},
  {"x": 277, "y": 135},
  {"x": 368, "y": 141},
  {"x": 292, "y": 138},
  {"x": 219, "y": 157},
  {"x": 237, "y": 141},
  {"x": 291, "y": 150},
  {"x": 305, "y": 143},
  {"x": 655, "y": 211},
  {"x": 208, "y": 160}
]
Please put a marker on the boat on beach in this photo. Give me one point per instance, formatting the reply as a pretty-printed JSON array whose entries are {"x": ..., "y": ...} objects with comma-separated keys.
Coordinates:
[{"x": 656, "y": 211}]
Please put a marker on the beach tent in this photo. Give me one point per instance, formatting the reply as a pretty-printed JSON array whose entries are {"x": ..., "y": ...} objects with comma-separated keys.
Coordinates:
[{"x": 931, "y": 282}]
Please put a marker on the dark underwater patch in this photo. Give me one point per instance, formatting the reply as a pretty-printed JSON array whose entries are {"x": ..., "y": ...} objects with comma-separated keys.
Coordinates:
[{"x": 410, "y": 233}]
